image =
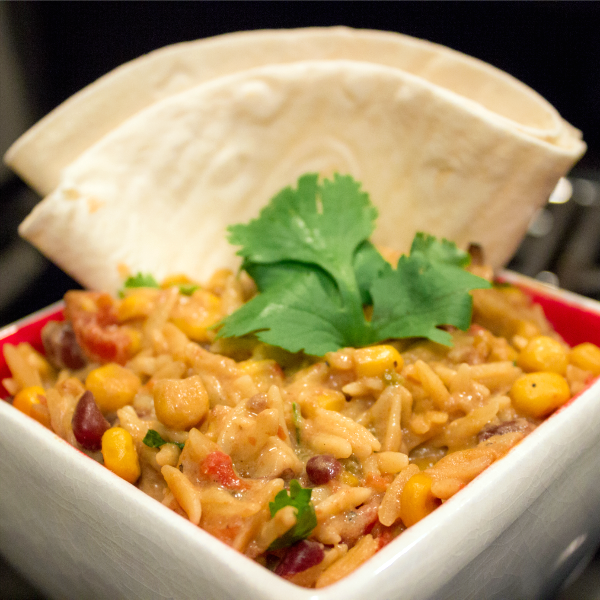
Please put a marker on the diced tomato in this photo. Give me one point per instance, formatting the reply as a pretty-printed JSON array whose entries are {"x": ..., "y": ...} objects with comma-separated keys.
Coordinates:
[
  {"x": 94, "y": 319},
  {"x": 475, "y": 329},
  {"x": 218, "y": 467},
  {"x": 382, "y": 534},
  {"x": 379, "y": 483}
]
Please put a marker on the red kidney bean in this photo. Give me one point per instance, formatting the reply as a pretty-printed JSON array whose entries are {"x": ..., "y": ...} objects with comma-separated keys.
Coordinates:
[
  {"x": 61, "y": 346},
  {"x": 323, "y": 468},
  {"x": 89, "y": 423},
  {"x": 299, "y": 557}
]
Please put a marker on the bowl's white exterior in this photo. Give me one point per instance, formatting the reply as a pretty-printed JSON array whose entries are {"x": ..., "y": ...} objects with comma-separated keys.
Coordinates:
[{"x": 78, "y": 531}]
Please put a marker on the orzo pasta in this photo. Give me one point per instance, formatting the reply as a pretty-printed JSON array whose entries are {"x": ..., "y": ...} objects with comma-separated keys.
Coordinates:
[{"x": 308, "y": 465}]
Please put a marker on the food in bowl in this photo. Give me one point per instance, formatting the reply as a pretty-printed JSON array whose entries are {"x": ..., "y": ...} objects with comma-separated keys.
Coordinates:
[{"x": 306, "y": 456}]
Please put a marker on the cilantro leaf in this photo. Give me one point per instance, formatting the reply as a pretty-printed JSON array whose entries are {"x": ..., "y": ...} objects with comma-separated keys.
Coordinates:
[
  {"x": 369, "y": 265},
  {"x": 439, "y": 251},
  {"x": 299, "y": 313},
  {"x": 153, "y": 439},
  {"x": 314, "y": 224},
  {"x": 316, "y": 270},
  {"x": 306, "y": 519},
  {"x": 282, "y": 273},
  {"x": 420, "y": 295},
  {"x": 141, "y": 280},
  {"x": 187, "y": 289}
]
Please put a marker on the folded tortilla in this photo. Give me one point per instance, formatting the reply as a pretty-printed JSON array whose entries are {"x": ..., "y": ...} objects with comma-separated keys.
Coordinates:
[
  {"x": 156, "y": 193},
  {"x": 56, "y": 141}
]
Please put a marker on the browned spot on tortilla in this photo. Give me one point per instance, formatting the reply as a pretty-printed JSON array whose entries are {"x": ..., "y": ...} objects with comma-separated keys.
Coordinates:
[
  {"x": 94, "y": 205},
  {"x": 123, "y": 270},
  {"x": 71, "y": 194}
]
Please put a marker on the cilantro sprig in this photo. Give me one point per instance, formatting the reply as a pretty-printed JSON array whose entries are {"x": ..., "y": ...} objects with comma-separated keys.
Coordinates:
[
  {"x": 141, "y": 280},
  {"x": 306, "y": 519},
  {"x": 310, "y": 256},
  {"x": 153, "y": 439},
  {"x": 187, "y": 289}
]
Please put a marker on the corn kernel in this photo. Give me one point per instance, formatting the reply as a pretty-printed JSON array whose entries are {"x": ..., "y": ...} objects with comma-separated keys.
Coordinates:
[
  {"x": 416, "y": 500},
  {"x": 349, "y": 479},
  {"x": 526, "y": 329},
  {"x": 135, "y": 343},
  {"x": 120, "y": 455},
  {"x": 137, "y": 305},
  {"x": 331, "y": 400},
  {"x": 543, "y": 353},
  {"x": 113, "y": 386},
  {"x": 374, "y": 361},
  {"x": 180, "y": 403},
  {"x": 538, "y": 394},
  {"x": 27, "y": 400},
  {"x": 194, "y": 315},
  {"x": 587, "y": 357},
  {"x": 264, "y": 373},
  {"x": 41, "y": 414},
  {"x": 179, "y": 279}
]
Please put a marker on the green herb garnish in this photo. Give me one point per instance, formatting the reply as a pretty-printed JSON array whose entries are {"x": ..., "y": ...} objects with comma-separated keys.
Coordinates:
[
  {"x": 153, "y": 439},
  {"x": 187, "y": 289},
  {"x": 141, "y": 280},
  {"x": 306, "y": 519},
  {"x": 296, "y": 419},
  {"x": 315, "y": 269}
]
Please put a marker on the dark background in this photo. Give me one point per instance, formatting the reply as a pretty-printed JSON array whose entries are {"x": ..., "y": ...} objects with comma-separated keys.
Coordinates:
[{"x": 554, "y": 47}]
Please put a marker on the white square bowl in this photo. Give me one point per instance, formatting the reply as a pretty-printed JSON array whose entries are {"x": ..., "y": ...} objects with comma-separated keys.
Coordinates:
[{"x": 78, "y": 531}]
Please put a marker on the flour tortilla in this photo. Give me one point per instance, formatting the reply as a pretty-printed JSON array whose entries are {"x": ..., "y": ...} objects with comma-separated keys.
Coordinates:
[
  {"x": 156, "y": 193},
  {"x": 56, "y": 141}
]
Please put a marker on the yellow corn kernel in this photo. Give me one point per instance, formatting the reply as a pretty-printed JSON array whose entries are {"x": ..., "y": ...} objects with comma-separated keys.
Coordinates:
[
  {"x": 113, "y": 386},
  {"x": 27, "y": 397},
  {"x": 374, "y": 361},
  {"x": 543, "y": 353},
  {"x": 264, "y": 373},
  {"x": 180, "y": 403},
  {"x": 587, "y": 357},
  {"x": 331, "y": 400},
  {"x": 41, "y": 414},
  {"x": 196, "y": 313},
  {"x": 416, "y": 500},
  {"x": 256, "y": 367},
  {"x": 526, "y": 329},
  {"x": 538, "y": 394},
  {"x": 120, "y": 455},
  {"x": 179, "y": 279},
  {"x": 135, "y": 344},
  {"x": 137, "y": 305},
  {"x": 349, "y": 479}
]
